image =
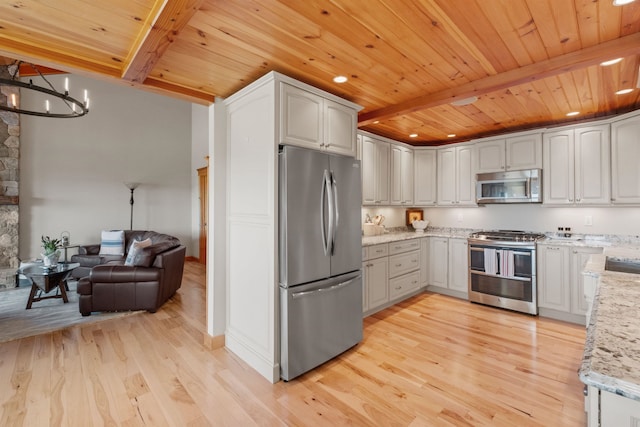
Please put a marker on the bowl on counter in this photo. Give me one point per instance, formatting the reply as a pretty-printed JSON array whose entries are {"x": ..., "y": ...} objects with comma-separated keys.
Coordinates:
[{"x": 420, "y": 225}]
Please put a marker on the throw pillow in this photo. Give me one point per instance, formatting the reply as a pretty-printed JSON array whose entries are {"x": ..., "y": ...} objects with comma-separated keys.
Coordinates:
[
  {"x": 112, "y": 243},
  {"x": 134, "y": 256}
]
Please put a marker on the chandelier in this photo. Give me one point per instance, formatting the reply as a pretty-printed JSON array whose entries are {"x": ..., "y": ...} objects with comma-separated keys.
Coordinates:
[{"x": 75, "y": 107}]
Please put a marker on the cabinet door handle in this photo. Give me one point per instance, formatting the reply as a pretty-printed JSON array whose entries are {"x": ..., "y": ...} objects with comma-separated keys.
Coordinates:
[
  {"x": 398, "y": 288},
  {"x": 398, "y": 265}
]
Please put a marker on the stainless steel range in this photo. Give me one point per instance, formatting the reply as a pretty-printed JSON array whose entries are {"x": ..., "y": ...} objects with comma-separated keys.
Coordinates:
[{"x": 502, "y": 269}]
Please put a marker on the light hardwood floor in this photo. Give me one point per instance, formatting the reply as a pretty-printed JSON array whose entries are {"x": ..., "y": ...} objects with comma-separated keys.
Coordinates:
[{"x": 431, "y": 360}]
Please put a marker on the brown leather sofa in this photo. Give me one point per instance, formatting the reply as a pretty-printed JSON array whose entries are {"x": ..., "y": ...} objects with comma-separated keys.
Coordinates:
[{"x": 113, "y": 286}]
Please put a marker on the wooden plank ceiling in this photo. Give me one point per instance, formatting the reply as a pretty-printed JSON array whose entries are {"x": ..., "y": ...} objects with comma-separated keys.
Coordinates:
[{"x": 529, "y": 62}]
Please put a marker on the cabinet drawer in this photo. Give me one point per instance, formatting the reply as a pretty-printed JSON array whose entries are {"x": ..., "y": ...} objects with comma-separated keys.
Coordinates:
[
  {"x": 405, "y": 246},
  {"x": 404, "y": 263},
  {"x": 404, "y": 284},
  {"x": 376, "y": 251}
]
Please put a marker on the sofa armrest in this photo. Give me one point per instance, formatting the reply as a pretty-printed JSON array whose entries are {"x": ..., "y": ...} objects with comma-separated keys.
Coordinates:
[
  {"x": 115, "y": 273},
  {"x": 89, "y": 250}
]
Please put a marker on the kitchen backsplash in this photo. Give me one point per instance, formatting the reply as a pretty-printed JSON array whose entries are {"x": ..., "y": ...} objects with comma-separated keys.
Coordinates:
[{"x": 618, "y": 221}]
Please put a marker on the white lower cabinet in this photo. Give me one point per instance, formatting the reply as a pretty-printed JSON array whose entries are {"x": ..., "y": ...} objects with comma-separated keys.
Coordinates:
[
  {"x": 554, "y": 291},
  {"x": 404, "y": 268},
  {"x": 375, "y": 270},
  {"x": 404, "y": 285},
  {"x": 391, "y": 271},
  {"x": 605, "y": 409},
  {"x": 459, "y": 266},
  {"x": 561, "y": 283},
  {"x": 424, "y": 262},
  {"x": 438, "y": 261},
  {"x": 579, "y": 258},
  {"x": 448, "y": 266}
]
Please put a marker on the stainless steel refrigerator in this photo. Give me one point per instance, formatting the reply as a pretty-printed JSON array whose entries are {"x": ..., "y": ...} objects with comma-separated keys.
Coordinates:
[{"x": 320, "y": 250}]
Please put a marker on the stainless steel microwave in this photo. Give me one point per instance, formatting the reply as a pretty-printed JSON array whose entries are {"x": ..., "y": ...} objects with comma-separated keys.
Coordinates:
[{"x": 524, "y": 186}]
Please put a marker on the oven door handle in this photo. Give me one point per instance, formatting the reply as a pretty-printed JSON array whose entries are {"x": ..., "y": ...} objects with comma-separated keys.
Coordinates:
[
  {"x": 482, "y": 273},
  {"x": 515, "y": 252}
]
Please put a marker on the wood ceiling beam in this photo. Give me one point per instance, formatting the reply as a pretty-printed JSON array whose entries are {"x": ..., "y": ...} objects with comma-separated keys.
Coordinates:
[
  {"x": 621, "y": 47},
  {"x": 176, "y": 91},
  {"x": 163, "y": 24},
  {"x": 54, "y": 59}
]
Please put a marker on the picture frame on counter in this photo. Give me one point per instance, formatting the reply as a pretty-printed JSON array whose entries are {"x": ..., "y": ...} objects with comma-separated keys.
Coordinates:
[{"x": 414, "y": 215}]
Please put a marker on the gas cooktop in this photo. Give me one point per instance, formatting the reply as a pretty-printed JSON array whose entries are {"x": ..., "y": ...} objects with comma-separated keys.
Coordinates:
[{"x": 507, "y": 236}]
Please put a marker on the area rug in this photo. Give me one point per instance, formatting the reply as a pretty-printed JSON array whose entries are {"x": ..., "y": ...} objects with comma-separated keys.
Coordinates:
[{"x": 44, "y": 316}]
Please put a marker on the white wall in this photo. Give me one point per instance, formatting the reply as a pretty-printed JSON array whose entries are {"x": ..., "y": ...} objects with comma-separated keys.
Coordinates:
[
  {"x": 73, "y": 170},
  {"x": 533, "y": 217},
  {"x": 200, "y": 137}
]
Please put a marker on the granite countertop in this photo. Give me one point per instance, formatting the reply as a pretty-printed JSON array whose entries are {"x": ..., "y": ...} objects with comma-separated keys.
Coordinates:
[
  {"x": 402, "y": 233},
  {"x": 576, "y": 240},
  {"x": 611, "y": 359}
]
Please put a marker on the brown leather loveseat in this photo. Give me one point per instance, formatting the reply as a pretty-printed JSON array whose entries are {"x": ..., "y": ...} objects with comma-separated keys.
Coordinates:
[{"x": 113, "y": 286}]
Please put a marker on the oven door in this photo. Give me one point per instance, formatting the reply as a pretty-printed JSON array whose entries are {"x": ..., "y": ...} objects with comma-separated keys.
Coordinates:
[
  {"x": 502, "y": 261},
  {"x": 503, "y": 277}
]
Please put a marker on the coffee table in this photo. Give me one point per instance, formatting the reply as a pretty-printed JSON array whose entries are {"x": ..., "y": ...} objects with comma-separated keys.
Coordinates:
[{"x": 46, "y": 279}]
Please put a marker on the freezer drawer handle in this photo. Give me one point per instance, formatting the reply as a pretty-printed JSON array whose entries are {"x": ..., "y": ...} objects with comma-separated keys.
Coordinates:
[{"x": 329, "y": 289}]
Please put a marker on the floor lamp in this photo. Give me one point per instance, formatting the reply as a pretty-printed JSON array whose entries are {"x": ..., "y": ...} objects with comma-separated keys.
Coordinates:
[{"x": 131, "y": 186}]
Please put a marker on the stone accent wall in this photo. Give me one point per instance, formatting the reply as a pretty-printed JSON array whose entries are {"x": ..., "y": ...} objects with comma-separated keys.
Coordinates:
[{"x": 9, "y": 185}]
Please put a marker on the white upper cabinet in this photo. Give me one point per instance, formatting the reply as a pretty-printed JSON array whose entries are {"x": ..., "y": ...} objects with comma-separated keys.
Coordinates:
[
  {"x": 490, "y": 156},
  {"x": 401, "y": 175},
  {"x": 456, "y": 176},
  {"x": 340, "y": 125},
  {"x": 524, "y": 152},
  {"x": 374, "y": 155},
  {"x": 576, "y": 167},
  {"x": 511, "y": 153},
  {"x": 424, "y": 172},
  {"x": 625, "y": 161},
  {"x": 311, "y": 121}
]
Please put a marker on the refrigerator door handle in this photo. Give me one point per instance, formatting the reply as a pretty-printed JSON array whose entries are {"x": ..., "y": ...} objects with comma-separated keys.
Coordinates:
[
  {"x": 332, "y": 217},
  {"x": 326, "y": 188},
  {"x": 329, "y": 289},
  {"x": 334, "y": 185}
]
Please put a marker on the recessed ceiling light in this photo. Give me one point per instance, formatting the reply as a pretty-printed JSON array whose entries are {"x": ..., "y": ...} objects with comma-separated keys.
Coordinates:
[
  {"x": 340, "y": 79},
  {"x": 413, "y": 135},
  {"x": 465, "y": 101},
  {"x": 376, "y": 122},
  {"x": 624, "y": 91},
  {"x": 451, "y": 135},
  {"x": 611, "y": 62},
  {"x": 573, "y": 113},
  {"x": 622, "y": 2}
]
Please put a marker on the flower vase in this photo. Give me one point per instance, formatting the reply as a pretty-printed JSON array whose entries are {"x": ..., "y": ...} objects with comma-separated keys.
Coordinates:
[{"x": 50, "y": 260}]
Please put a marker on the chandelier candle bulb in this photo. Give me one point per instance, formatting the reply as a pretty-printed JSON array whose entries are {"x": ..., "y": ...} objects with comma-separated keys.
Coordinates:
[
  {"x": 66, "y": 85},
  {"x": 13, "y": 100},
  {"x": 46, "y": 105}
]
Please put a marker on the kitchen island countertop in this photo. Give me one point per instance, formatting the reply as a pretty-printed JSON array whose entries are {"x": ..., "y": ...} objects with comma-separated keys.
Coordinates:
[{"x": 611, "y": 359}]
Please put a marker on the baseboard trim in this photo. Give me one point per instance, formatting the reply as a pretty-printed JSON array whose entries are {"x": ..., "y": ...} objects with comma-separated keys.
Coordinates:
[{"x": 214, "y": 342}]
